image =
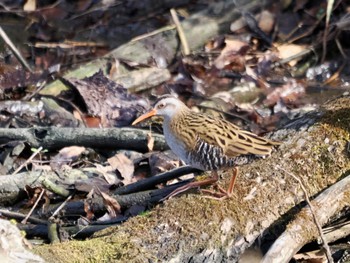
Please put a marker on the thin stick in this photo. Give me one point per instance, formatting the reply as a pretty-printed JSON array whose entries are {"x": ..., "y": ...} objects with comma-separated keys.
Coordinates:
[
  {"x": 14, "y": 50},
  {"x": 319, "y": 227},
  {"x": 24, "y": 221},
  {"x": 155, "y": 32},
  {"x": 180, "y": 31},
  {"x": 154, "y": 180},
  {"x": 20, "y": 216},
  {"x": 60, "y": 207},
  {"x": 27, "y": 161},
  {"x": 330, "y": 4}
]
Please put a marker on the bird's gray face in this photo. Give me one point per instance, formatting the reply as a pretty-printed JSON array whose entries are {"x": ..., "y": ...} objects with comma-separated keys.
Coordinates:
[{"x": 166, "y": 107}]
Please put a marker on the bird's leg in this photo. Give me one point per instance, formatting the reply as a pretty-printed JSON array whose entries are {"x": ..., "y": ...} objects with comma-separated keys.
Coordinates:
[
  {"x": 222, "y": 193},
  {"x": 213, "y": 179}
]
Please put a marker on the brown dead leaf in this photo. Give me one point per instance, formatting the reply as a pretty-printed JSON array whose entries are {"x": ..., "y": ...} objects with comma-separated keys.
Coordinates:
[
  {"x": 30, "y": 5},
  {"x": 66, "y": 155},
  {"x": 150, "y": 141},
  {"x": 124, "y": 165},
  {"x": 108, "y": 173},
  {"x": 110, "y": 102},
  {"x": 232, "y": 55},
  {"x": 71, "y": 152},
  {"x": 112, "y": 205},
  {"x": 89, "y": 208},
  {"x": 288, "y": 50},
  {"x": 33, "y": 194},
  {"x": 214, "y": 44},
  {"x": 92, "y": 122},
  {"x": 163, "y": 161},
  {"x": 90, "y": 184}
]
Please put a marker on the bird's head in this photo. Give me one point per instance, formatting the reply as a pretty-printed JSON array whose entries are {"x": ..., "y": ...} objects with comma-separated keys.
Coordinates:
[{"x": 166, "y": 106}]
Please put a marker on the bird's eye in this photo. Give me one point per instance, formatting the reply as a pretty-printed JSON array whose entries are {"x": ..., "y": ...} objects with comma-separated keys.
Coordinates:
[{"x": 161, "y": 106}]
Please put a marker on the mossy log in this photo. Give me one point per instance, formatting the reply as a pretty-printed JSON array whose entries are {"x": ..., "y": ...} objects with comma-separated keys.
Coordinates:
[{"x": 197, "y": 229}]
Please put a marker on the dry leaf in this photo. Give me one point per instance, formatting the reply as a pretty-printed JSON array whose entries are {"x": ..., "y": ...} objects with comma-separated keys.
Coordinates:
[
  {"x": 289, "y": 50},
  {"x": 163, "y": 161},
  {"x": 124, "y": 165},
  {"x": 107, "y": 173},
  {"x": 89, "y": 208},
  {"x": 119, "y": 107},
  {"x": 30, "y": 5},
  {"x": 112, "y": 205},
  {"x": 90, "y": 184},
  {"x": 150, "y": 141},
  {"x": 232, "y": 54},
  {"x": 66, "y": 155},
  {"x": 70, "y": 153}
]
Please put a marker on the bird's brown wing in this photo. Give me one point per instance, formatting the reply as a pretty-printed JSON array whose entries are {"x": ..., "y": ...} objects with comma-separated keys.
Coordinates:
[{"x": 233, "y": 140}]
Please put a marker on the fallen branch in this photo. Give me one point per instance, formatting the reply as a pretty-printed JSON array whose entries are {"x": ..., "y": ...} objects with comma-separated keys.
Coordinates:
[
  {"x": 11, "y": 187},
  {"x": 302, "y": 230},
  {"x": 106, "y": 138},
  {"x": 19, "y": 217},
  {"x": 336, "y": 232},
  {"x": 150, "y": 182},
  {"x": 37, "y": 151}
]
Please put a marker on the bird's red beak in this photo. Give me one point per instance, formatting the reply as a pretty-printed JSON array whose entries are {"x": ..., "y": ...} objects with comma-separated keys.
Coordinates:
[{"x": 145, "y": 116}]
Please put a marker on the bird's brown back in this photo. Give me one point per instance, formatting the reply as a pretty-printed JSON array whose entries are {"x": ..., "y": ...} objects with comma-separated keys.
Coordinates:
[{"x": 195, "y": 128}]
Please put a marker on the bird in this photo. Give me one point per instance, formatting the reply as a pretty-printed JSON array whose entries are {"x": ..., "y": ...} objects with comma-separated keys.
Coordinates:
[{"x": 206, "y": 142}]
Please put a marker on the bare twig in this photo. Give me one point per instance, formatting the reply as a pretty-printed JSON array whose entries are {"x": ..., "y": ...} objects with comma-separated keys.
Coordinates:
[
  {"x": 319, "y": 227},
  {"x": 15, "y": 50},
  {"x": 24, "y": 221},
  {"x": 180, "y": 31},
  {"x": 155, "y": 32},
  {"x": 28, "y": 161},
  {"x": 60, "y": 207}
]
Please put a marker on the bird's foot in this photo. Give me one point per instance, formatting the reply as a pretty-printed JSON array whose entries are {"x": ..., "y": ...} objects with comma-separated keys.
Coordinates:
[
  {"x": 221, "y": 193},
  {"x": 191, "y": 185}
]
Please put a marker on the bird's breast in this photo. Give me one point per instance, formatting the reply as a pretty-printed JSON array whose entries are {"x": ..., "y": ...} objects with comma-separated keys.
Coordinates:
[
  {"x": 176, "y": 144},
  {"x": 193, "y": 151}
]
